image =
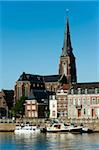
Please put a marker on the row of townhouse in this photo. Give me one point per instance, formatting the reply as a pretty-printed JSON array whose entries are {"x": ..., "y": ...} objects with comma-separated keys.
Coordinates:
[{"x": 77, "y": 102}]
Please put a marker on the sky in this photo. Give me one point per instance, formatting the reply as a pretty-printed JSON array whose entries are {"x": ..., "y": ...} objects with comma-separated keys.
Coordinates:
[{"x": 32, "y": 35}]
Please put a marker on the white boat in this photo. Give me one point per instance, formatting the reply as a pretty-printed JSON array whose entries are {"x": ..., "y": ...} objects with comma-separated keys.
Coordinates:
[
  {"x": 60, "y": 127},
  {"x": 26, "y": 129},
  {"x": 56, "y": 127}
]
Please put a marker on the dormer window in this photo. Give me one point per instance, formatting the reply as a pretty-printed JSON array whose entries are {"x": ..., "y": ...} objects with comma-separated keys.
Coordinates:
[
  {"x": 72, "y": 91},
  {"x": 79, "y": 90}
]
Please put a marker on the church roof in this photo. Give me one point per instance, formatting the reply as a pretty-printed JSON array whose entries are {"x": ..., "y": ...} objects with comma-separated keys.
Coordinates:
[
  {"x": 39, "y": 78},
  {"x": 31, "y": 78},
  {"x": 52, "y": 78},
  {"x": 67, "y": 47}
]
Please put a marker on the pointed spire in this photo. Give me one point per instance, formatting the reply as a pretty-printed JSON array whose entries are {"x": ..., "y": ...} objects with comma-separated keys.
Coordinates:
[{"x": 67, "y": 48}]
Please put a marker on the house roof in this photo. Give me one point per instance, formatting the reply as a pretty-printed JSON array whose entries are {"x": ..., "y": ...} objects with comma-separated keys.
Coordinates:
[
  {"x": 87, "y": 85},
  {"x": 39, "y": 95}
]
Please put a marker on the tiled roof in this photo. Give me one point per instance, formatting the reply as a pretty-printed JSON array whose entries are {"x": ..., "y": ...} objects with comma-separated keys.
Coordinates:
[{"x": 87, "y": 85}]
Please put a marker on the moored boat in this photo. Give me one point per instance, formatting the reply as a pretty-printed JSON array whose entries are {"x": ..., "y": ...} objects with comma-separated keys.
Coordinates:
[
  {"x": 55, "y": 127},
  {"x": 86, "y": 130},
  {"x": 26, "y": 129},
  {"x": 60, "y": 127}
]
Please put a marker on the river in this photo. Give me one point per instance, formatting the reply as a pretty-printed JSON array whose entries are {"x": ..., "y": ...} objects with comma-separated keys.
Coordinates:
[{"x": 49, "y": 141}]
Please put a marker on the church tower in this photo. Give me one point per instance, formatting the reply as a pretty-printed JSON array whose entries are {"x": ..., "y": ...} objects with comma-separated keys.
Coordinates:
[{"x": 67, "y": 64}]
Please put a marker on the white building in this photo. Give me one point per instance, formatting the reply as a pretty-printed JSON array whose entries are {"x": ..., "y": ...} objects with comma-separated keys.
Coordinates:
[
  {"x": 83, "y": 104},
  {"x": 53, "y": 107}
]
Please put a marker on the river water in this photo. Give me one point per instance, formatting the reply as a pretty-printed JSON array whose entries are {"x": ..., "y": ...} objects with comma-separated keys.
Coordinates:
[{"x": 49, "y": 141}]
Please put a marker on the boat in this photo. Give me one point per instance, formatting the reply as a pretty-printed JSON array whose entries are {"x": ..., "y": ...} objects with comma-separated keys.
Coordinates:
[
  {"x": 55, "y": 127},
  {"x": 75, "y": 129},
  {"x": 26, "y": 129},
  {"x": 86, "y": 130},
  {"x": 61, "y": 127}
]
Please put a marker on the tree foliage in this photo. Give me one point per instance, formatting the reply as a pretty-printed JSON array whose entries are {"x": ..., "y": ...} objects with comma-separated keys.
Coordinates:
[{"x": 19, "y": 108}]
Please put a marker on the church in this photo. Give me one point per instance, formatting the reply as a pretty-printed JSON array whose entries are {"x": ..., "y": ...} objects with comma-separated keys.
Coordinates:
[
  {"x": 67, "y": 73},
  {"x": 38, "y": 88}
]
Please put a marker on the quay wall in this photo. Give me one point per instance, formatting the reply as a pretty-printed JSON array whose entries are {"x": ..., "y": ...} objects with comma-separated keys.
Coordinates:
[{"x": 8, "y": 125}]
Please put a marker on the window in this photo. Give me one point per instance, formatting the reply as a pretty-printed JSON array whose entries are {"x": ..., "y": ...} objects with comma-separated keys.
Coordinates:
[
  {"x": 28, "y": 107},
  {"x": 86, "y": 91},
  {"x": 84, "y": 111},
  {"x": 29, "y": 114},
  {"x": 72, "y": 91},
  {"x": 96, "y": 90},
  {"x": 37, "y": 85},
  {"x": 79, "y": 91},
  {"x": 84, "y": 101},
  {"x": 88, "y": 101},
  {"x": 28, "y": 102},
  {"x": 53, "y": 105},
  {"x": 53, "y": 113},
  {"x": 33, "y": 85},
  {"x": 74, "y": 101},
  {"x": 93, "y": 100},
  {"x": 79, "y": 101},
  {"x": 33, "y": 107}
]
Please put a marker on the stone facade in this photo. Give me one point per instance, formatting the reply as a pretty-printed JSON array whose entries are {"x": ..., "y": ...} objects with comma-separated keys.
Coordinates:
[{"x": 83, "y": 103}]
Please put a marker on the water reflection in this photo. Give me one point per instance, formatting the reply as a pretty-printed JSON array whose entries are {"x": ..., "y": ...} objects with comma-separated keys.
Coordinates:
[{"x": 49, "y": 141}]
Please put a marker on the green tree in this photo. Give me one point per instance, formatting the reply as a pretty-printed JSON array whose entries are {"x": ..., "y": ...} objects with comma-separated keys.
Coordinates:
[{"x": 19, "y": 108}]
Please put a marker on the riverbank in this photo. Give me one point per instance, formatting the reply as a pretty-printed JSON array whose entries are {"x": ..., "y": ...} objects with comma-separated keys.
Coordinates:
[{"x": 9, "y": 125}]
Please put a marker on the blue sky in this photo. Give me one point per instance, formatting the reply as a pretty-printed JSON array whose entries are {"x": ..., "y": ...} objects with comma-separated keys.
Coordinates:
[{"x": 31, "y": 38}]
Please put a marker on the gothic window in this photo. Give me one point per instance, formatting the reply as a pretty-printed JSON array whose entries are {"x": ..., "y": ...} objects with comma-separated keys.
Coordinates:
[{"x": 26, "y": 90}]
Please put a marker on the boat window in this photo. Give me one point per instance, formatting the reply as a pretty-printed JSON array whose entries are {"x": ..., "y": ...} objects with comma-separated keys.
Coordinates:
[{"x": 33, "y": 129}]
